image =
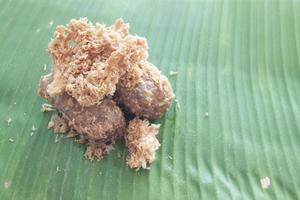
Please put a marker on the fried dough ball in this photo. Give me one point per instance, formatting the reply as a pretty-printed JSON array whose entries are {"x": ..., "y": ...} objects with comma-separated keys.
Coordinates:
[
  {"x": 141, "y": 142},
  {"x": 150, "y": 97},
  {"x": 102, "y": 122}
]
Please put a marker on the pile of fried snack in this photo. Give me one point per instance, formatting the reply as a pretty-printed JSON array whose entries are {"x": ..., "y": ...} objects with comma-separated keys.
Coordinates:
[{"x": 103, "y": 88}]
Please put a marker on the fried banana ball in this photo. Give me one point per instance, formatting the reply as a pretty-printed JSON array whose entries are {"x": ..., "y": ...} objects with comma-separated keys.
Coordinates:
[
  {"x": 150, "y": 97},
  {"x": 99, "y": 123},
  {"x": 141, "y": 142}
]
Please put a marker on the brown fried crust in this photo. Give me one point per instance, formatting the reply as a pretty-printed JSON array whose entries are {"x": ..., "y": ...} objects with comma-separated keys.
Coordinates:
[{"x": 150, "y": 98}]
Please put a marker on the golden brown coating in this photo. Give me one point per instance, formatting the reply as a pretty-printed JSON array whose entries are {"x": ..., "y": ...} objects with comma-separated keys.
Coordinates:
[
  {"x": 141, "y": 142},
  {"x": 89, "y": 60},
  {"x": 150, "y": 97},
  {"x": 101, "y": 122}
]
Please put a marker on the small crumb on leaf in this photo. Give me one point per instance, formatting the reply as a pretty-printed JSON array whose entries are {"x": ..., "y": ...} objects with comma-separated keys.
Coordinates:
[
  {"x": 50, "y": 24},
  {"x": 56, "y": 139},
  {"x": 206, "y": 114},
  {"x": 57, "y": 170},
  {"x": 45, "y": 67},
  {"x": 7, "y": 184},
  {"x": 31, "y": 134},
  {"x": 177, "y": 104},
  {"x": 170, "y": 157},
  {"x": 265, "y": 182},
  {"x": 173, "y": 73},
  {"x": 9, "y": 120},
  {"x": 11, "y": 140},
  {"x": 15, "y": 103},
  {"x": 33, "y": 128},
  {"x": 47, "y": 108}
]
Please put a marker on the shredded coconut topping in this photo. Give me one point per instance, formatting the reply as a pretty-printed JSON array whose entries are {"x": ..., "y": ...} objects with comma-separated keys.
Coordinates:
[
  {"x": 89, "y": 60},
  {"x": 142, "y": 143}
]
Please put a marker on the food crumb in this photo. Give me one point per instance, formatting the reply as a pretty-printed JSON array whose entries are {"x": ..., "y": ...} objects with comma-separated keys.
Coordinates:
[
  {"x": 58, "y": 124},
  {"x": 45, "y": 67},
  {"x": 11, "y": 140},
  {"x": 9, "y": 120},
  {"x": 47, "y": 108},
  {"x": 56, "y": 139},
  {"x": 57, "y": 170},
  {"x": 72, "y": 134},
  {"x": 15, "y": 103},
  {"x": 206, "y": 114},
  {"x": 50, "y": 24},
  {"x": 177, "y": 104},
  {"x": 265, "y": 182},
  {"x": 97, "y": 151},
  {"x": 173, "y": 73},
  {"x": 7, "y": 184},
  {"x": 170, "y": 157},
  {"x": 33, "y": 128}
]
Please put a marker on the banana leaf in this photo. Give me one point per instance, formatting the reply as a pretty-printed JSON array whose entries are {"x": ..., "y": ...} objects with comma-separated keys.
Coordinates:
[{"x": 232, "y": 133}]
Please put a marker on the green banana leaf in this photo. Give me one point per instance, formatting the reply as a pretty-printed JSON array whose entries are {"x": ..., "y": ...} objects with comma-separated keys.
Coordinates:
[{"x": 233, "y": 132}]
